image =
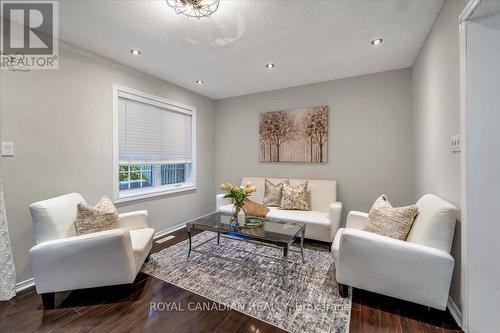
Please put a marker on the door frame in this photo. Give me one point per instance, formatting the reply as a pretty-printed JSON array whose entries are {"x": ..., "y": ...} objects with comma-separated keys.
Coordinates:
[{"x": 464, "y": 18}]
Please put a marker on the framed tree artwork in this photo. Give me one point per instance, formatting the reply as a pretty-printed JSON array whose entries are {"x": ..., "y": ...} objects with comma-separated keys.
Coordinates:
[{"x": 295, "y": 135}]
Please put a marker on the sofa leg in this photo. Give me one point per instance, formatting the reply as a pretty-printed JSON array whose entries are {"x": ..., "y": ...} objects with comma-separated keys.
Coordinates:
[
  {"x": 48, "y": 300},
  {"x": 343, "y": 290}
]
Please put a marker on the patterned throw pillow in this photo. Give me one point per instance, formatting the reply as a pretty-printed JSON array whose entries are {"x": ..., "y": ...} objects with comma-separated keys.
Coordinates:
[
  {"x": 94, "y": 219},
  {"x": 392, "y": 222},
  {"x": 272, "y": 193},
  {"x": 254, "y": 209},
  {"x": 294, "y": 197}
]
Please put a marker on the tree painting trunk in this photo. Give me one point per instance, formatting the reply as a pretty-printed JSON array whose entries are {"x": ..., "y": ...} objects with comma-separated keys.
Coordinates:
[
  {"x": 311, "y": 148},
  {"x": 320, "y": 142},
  {"x": 270, "y": 151},
  {"x": 321, "y": 152},
  {"x": 278, "y": 152}
]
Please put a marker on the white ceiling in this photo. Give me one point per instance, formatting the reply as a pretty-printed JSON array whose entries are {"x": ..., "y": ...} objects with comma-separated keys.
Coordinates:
[{"x": 310, "y": 41}]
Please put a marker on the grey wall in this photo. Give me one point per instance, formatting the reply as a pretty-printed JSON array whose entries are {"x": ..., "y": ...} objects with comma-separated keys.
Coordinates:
[
  {"x": 61, "y": 123},
  {"x": 436, "y": 117},
  {"x": 370, "y": 148},
  {"x": 483, "y": 163}
]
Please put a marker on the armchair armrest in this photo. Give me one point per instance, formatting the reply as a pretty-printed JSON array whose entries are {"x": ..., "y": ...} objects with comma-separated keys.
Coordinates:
[
  {"x": 334, "y": 214},
  {"x": 357, "y": 220},
  {"x": 396, "y": 268},
  {"x": 97, "y": 259},
  {"x": 134, "y": 220},
  {"x": 220, "y": 201}
]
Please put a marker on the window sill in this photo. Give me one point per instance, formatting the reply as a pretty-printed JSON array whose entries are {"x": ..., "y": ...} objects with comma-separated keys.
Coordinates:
[{"x": 128, "y": 197}]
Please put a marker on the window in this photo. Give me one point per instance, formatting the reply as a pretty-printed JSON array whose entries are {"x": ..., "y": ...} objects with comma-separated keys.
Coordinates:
[{"x": 154, "y": 145}]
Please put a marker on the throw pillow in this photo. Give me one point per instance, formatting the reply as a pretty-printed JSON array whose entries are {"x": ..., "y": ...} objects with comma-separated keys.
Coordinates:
[
  {"x": 272, "y": 193},
  {"x": 295, "y": 197},
  {"x": 255, "y": 209},
  {"x": 94, "y": 219},
  {"x": 392, "y": 222},
  {"x": 381, "y": 202}
]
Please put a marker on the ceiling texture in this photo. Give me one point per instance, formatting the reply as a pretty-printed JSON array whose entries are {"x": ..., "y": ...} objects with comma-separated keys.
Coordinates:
[{"x": 309, "y": 41}]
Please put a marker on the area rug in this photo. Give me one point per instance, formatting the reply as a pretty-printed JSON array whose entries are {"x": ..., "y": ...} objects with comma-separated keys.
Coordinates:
[{"x": 238, "y": 277}]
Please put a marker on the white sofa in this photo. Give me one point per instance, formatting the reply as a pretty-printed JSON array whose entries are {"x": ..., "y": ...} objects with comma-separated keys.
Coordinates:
[
  {"x": 417, "y": 270},
  {"x": 63, "y": 261},
  {"x": 322, "y": 221}
]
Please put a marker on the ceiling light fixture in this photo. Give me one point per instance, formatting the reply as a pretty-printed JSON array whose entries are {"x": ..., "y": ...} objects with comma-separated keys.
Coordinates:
[
  {"x": 199, "y": 81},
  {"x": 135, "y": 51},
  {"x": 194, "y": 8},
  {"x": 377, "y": 41},
  {"x": 270, "y": 65}
]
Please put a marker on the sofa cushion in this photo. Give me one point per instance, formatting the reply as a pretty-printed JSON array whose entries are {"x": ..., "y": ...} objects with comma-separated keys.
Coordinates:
[
  {"x": 295, "y": 197},
  {"x": 273, "y": 193},
  {"x": 306, "y": 216},
  {"x": 55, "y": 218},
  {"x": 94, "y": 219},
  {"x": 321, "y": 192},
  {"x": 435, "y": 223},
  {"x": 392, "y": 222},
  {"x": 228, "y": 209},
  {"x": 142, "y": 242},
  {"x": 318, "y": 225}
]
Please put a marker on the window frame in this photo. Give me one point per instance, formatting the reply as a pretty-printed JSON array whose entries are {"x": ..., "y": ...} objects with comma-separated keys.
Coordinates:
[{"x": 143, "y": 97}]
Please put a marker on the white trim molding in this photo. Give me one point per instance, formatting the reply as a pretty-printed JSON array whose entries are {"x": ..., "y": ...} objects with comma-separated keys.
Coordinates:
[
  {"x": 455, "y": 311},
  {"x": 26, "y": 284},
  {"x": 469, "y": 8},
  {"x": 464, "y": 274}
]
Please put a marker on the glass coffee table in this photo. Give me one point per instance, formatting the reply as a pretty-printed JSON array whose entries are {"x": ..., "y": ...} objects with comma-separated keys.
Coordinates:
[{"x": 274, "y": 233}]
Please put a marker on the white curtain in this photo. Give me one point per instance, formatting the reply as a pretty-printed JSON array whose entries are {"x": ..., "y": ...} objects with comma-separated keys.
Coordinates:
[{"x": 7, "y": 270}]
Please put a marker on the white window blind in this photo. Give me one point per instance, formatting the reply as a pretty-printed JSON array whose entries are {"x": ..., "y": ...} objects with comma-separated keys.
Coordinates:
[{"x": 152, "y": 132}]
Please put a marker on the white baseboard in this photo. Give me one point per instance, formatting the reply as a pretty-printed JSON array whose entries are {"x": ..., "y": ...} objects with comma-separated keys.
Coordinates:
[
  {"x": 169, "y": 230},
  {"x": 23, "y": 285},
  {"x": 455, "y": 311}
]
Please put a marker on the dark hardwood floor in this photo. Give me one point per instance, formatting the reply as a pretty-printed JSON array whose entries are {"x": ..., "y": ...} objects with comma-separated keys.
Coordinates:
[{"x": 128, "y": 309}]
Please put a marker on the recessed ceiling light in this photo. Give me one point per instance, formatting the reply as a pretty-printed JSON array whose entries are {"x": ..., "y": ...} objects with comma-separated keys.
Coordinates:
[
  {"x": 199, "y": 81},
  {"x": 377, "y": 41},
  {"x": 270, "y": 65},
  {"x": 135, "y": 51}
]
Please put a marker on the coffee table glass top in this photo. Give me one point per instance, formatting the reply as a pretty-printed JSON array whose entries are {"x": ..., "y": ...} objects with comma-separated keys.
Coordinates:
[{"x": 271, "y": 230}]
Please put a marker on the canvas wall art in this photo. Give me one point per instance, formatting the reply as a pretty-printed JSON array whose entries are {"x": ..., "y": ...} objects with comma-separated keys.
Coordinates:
[{"x": 295, "y": 135}]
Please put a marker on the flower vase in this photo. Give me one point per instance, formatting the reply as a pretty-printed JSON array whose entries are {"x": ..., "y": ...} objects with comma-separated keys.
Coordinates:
[
  {"x": 241, "y": 218},
  {"x": 239, "y": 215}
]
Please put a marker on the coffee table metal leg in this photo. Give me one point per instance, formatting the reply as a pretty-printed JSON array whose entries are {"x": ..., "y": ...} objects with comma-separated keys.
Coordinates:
[
  {"x": 302, "y": 246},
  {"x": 189, "y": 235},
  {"x": 218, "y": 238},
  {"x": 285, "y": 267}
]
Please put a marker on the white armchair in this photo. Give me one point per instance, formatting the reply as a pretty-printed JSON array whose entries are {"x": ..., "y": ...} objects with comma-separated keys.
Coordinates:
[
  {"x": 417, "y": 270},
  {"x": 63, "y": 261}
]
